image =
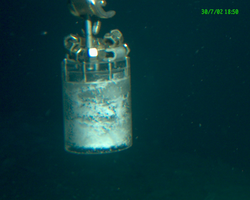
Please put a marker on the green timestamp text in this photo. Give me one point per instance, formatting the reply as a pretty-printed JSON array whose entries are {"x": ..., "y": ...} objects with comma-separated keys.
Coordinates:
[{"x": 219, "y": 11}]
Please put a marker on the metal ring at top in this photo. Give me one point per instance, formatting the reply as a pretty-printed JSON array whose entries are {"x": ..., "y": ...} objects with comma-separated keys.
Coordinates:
[{"x": 80, "y": 8}]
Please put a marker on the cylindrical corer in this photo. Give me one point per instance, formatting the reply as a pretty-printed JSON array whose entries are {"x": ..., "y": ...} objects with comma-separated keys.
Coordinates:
[{"x": 97, "y": 106}]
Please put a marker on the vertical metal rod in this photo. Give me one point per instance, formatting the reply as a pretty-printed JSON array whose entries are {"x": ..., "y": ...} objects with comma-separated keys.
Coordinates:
[
  {"x": 84, "y": 71},
  {"x": 110, "y": 71},
  {"x": 88, "y": 33}
]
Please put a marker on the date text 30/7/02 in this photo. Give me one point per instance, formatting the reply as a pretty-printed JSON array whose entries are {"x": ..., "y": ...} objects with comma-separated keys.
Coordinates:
[{"x": 219, "y": 11}]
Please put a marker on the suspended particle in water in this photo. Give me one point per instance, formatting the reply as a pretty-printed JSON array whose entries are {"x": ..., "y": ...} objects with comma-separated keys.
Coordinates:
[{"x": 44, "y": 33}]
